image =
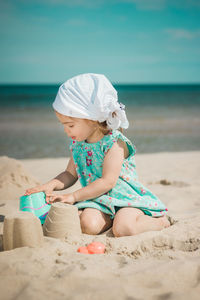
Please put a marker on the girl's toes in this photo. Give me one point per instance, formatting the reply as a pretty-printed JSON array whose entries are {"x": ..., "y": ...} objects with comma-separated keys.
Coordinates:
[{"x": 165, "y": 222}]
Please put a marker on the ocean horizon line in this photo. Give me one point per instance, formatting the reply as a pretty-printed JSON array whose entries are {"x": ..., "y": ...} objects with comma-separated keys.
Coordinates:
[{"x": 114, "y": 83}]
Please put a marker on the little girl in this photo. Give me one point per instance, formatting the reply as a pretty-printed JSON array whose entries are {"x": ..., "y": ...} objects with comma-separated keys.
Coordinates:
[{"x": 103, "y": 159}]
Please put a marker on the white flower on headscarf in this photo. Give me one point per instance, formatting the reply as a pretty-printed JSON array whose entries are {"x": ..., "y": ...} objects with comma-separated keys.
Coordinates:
[{"x": 117, "y": 116}]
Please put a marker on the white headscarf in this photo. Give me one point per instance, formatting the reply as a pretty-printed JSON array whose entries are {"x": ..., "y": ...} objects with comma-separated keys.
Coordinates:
[{"x": 91, "y": 96}]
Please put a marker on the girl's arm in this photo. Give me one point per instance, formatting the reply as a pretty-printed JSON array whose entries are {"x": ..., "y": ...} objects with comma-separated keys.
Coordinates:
[
  {"x": 111, "y": 169},
  {"x": 64, "y": 179},
  {"x": 60, "y": 182}
]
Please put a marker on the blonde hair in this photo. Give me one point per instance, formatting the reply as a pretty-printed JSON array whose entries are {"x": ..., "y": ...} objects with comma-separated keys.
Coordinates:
[{"x": 104, "y": 128}]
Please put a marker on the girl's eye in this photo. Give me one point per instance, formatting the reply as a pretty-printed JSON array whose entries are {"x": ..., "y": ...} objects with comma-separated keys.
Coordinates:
[{"x": 71, "y": 126}]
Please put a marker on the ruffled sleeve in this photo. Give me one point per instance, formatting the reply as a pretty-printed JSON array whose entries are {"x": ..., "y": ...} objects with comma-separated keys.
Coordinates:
[{"x": 113, "y": 137}]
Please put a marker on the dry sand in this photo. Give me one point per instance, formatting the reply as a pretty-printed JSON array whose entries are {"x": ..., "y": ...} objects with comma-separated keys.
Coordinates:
[{"x": 153, "y": 265}]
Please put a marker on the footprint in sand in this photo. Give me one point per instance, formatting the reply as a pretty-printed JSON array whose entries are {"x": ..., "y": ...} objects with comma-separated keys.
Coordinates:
[
  {"x": 173, "y": 183},
  {"x": 164, "y": 296},
  {"x": 122, "y": 262}
]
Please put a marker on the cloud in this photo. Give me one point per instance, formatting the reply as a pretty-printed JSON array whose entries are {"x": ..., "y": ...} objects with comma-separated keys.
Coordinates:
[{"x": 181, "y": 33}]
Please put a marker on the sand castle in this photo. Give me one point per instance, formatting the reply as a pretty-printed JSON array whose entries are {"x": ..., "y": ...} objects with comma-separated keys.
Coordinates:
[
  {"x": 62, "y": 221},
  {"x": 22, "y": 229}
]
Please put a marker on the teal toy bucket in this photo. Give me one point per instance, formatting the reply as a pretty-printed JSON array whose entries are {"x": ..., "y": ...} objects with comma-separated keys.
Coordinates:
[{"x": 36, "y": 204}]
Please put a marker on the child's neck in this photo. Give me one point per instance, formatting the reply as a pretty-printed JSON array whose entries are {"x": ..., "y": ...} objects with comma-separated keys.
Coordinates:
[{"x": 95, "y": 137}]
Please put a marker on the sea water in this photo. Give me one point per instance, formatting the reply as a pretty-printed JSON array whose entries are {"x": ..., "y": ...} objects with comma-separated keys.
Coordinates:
[{"x": 162, "y": 118}]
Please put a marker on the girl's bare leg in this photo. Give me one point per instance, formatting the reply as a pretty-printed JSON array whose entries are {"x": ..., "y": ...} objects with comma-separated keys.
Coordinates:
[
  {"x": 93, "y": 221},
  {"x": 147, "y": 223},
  {"x": 131, "y": 221},
  {"x": 80, "y": 212}
]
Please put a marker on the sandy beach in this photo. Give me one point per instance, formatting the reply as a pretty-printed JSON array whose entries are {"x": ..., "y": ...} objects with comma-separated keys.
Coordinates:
[{"x": 153, "y": 265}]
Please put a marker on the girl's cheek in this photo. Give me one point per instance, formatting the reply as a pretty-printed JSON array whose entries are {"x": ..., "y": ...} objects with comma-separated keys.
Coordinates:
[{"x": 66, "y": 129}]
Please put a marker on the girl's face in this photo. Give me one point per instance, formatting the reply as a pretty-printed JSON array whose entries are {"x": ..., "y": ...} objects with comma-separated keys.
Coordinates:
[{"x": 77, "y": 129}]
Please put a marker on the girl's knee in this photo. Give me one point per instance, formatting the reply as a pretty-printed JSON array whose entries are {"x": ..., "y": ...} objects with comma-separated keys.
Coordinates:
[
  {"x": 125, "y": 221},
  {"x": 89, "y": 225},
  {"x": 125, "y": 229}
]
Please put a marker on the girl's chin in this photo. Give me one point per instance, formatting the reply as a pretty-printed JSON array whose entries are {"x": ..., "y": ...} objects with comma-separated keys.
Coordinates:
[{"x": 77, "y": 139}]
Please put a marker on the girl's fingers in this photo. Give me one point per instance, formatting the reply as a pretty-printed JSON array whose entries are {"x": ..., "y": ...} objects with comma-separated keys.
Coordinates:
[
  {"x": 35, "y": 190},
  {"x": 55, "y": 199},
  {"x": 49, "y": 197},
  {"x": 63, "y": 201},
  {"x": 29, "y": 192},
  {"x": 32, "y": 190},
  {"x": 49, "y": 194}
]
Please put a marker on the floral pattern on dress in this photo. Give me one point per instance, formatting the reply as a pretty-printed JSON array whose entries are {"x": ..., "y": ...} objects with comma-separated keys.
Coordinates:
[{"x": 128, "y": 191}]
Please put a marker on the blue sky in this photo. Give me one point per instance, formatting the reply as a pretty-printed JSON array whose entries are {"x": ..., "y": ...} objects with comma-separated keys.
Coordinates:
[{"x": 130, "y": 41}]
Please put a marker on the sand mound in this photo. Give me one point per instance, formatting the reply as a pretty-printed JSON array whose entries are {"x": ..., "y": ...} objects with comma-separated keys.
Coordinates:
[{"x": 14, "y": 178}]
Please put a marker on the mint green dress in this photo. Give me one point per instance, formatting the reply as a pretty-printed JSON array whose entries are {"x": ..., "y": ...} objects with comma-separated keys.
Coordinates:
[{"x": 128, "y": 191}]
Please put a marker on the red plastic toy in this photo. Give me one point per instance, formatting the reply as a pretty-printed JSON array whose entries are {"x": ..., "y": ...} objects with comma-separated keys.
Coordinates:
[
  {"x": 83, "y": 250},
  {"x": 92, "y": 248}
]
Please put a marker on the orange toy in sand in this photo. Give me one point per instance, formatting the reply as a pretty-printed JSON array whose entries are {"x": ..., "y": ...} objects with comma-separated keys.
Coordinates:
[
  {"x": 93, "y": 248},
  {"x": 83, "y": 250},
  {"x": 96, "y": 248}
]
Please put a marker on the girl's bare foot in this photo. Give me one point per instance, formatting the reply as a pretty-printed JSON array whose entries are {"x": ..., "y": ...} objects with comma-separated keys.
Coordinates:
[{"x": 164, "y": 221}]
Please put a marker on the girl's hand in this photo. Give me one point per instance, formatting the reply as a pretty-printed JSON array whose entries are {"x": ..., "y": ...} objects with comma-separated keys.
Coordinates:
[
  {"x": 65, "y": 198},
  {"x": 39, "y": 188}
]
